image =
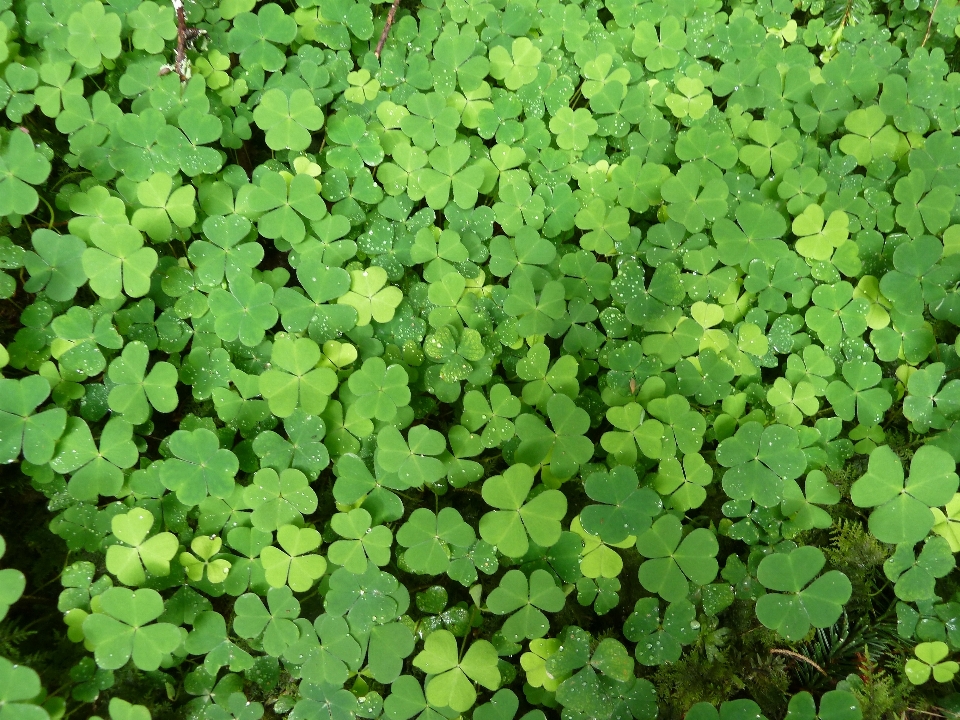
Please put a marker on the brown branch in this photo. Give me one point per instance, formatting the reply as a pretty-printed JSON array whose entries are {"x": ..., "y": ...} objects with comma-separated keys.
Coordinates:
[
  {"x": 386, "y": 28},
  {"x": 185, "y": 38},
  {"x": 798, "y": 656},
  {"x": 926, "y": 35}
]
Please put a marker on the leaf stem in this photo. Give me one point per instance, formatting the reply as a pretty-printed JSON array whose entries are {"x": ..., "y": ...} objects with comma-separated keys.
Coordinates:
[{"x": 463, "y": 643}]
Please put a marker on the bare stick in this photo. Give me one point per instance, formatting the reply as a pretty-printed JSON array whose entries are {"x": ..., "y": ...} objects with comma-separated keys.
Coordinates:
[
  {"x": 926, "y": 35},
  {"x": 386, "y": 28},
  {"x": 185, "y": 38},
  {"x": 798, "y": 656}
]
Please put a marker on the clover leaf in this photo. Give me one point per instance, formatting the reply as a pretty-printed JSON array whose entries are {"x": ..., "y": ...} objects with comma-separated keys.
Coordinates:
[
  {"x": 19, "y": 683},
  {"x": 564, "y": 448},
  {"x": 800, "y": 603},
  {"x": 20, "y": 167},
  {"x": 903, "y": 506},
  {"x": 244, "y": 312},
  {"x": 287, "y": 120},
  {"x": 274, "y": 622},
  {"x": 370, "y": 295},
  {"x": 119, "y": 263},
  {"x": 21, "y": 427},
  {"x": 526, "y": 599},
  {"x": 55, "y": 267},
  {"x": 930, "y": 660},
  {"x": 516, "y": 518},
  {"x": 200, "y": 467},
  {"x": 414, "y": 459},
  {"x": 661, "y": 641},
  {"x": 253, "y": 37},
  {"x": 294, "y": 565},
  {"x": 297, "y": 382},
  {"x": 450, "y": 684},
  {"x": 430, "y": 538},
  {"x": 760, "y": 459},
  {"x": 203, "y": 560},
  {"x": 93, "y": 35},
  {"x": 124, "y": 629},
  {"x": 362, "y": 542},
  {"x": 380, "y": 390},
  {"x": 627, "y": 509},
  {"x": 673, "y": 561},
  {"x": 279, "y": 498},
  {"x": 138, "y": 552}
]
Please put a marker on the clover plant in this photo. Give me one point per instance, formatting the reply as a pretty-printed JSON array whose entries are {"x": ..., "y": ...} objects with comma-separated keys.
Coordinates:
[{"x": 469, "y": 358}]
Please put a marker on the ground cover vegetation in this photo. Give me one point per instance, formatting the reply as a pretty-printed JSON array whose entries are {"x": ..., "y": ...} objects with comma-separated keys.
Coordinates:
[{"x": 482, "y": 359}]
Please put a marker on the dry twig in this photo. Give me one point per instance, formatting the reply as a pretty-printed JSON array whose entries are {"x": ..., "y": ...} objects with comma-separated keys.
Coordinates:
[
  {"x": 386, "y": 28},
  {"x": 798, "y": 656}
]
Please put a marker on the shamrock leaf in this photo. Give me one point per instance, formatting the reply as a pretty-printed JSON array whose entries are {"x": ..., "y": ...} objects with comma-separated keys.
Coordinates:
[
  {"x": 817, "y": 239},
  {"x": 279, "y": 499},
  {"x": 686, "y": 483},
  {"x": 325, "y": 651},
  {"x": 137, "y": 552},
  {"x": 298, "y": 382},
  {"x": 516, "y": 519},
  {"x": 245, "y": 312},
  {"x": 627, "y": 509},
  {"x": 162, "y": 205},
  {"x": 253, "y": 37},
  {"x": 430, "y": 538},
  {"x": 275, "y": 624},
  {"x": 380, "y": 390},
  {"x": 573, "y": 128},
  {"x": 661, "y": 642},
  {"x": 659, "y": 51},
  {"x": 292, "y": 565},
  {"x": 124, "y": 628},
  {"x": 760, "y": 460},
  {"x": 870, "y": 137},
  {"x": 203, "y": 559},
  {"x": 78, "y": 342},
  {"x": 448, "y": 172},
  {"x": 200, "y": 467},
  {"x": 916, "y": 576},
  {"x": 56, "y": 266},
  {"x": 19, "y": 683},
  {"x": 370, "y": 295},
  {"x": 517, "y": 66},
  {"x": 802, "y": 603},
  {"x": 450, "y": 684},
  {"x": 564, "y": 448},
  {"x": 153, "y": 26},
  {"x": 20, "y": 167},
  {"x": 119, "y": 263},
  {"x": 224, "y": 255},
  {"x": 930, "y": 660},
  {"x": 287, "y": 120},
  {"x": 21, "y": 428},
  {"x": 95, "y": 472},
  {"x": 414, "y": 459},
  {"x": 14, "y": 583},
  {"x": 674, "y": 561},
  {"x": 527, "y": 600},
  {"x": 903, "y": 507},
  {"x": 362, "y": 542},
  {"x": 634, "y": 430},
  {"x": 693, "y": 199},
  {"x": 93, "y": 34},
  {"x": 859, "y": 396}
]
